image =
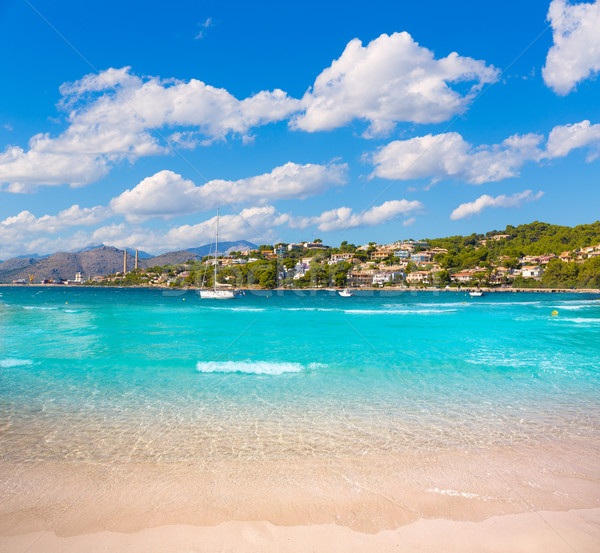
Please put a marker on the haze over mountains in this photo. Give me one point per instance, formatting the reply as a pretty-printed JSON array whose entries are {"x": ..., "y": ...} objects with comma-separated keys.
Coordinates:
[{"x": 101, "y": 260}]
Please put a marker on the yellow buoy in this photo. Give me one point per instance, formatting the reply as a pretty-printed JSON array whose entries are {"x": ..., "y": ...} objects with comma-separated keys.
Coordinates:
[{"x": 554, "y": 313}]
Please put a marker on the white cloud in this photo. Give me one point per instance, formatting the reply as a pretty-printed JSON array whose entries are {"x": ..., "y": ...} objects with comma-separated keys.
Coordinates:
[
  {"x": 167, "y": 194},
  {"x": 208, "y": 22},
  {"x": 564, "y": 138},
  {"x": 575, "y": 55},
  {"x": 448, "y": 155},
  {"x": 27, "y": 233},
  {"x": 391, "y": 79},
  {"x": 112, "y": 116},
  {"x": 27, "y": 223},
  {"x": 23, "y": 170},
  {"x": 343, "y": 218},
  {"x": 475, "y": 208},
  {"x": 116, "y": 115}
]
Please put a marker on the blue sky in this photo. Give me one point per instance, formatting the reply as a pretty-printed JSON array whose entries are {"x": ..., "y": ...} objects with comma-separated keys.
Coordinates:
[{"x": 130, "y": 123}]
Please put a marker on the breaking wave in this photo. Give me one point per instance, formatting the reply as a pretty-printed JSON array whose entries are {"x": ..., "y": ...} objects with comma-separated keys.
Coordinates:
[{"x": 253, "y": 367}]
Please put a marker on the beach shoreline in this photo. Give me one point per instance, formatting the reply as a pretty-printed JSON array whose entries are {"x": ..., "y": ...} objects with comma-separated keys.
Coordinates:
[
  {"x": 531, "y": 532},
  {"x": 126, "y": 428},
  {"x": 372, "y": 502},
  {"x": 320, "y": 289}
]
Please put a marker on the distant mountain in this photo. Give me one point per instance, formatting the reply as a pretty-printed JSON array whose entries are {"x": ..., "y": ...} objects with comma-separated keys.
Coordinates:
[
  {"x": 100, "y": 260},
  {"x": 31, "y": 256},
  {"x": 103, "y": 260},
  {"x": 17, "y": 263},
  {"x": 88, "y": 248},
  {"x": 224, "y": 248},
  {"x": 141, "y": 253},
  {"x": 170, "y": 258}
]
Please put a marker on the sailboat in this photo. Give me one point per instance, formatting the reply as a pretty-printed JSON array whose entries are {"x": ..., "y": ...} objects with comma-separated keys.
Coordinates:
[{"x": 216, "y": 294}]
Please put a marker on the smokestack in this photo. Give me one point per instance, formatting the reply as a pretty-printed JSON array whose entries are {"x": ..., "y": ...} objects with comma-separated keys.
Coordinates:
[
  {"x": 124, "y": 262},
  {"x": 136, "y": 259}
]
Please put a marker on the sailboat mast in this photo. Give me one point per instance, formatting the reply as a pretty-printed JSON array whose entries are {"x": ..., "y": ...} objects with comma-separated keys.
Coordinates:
[{"x": 216, "y": 247}]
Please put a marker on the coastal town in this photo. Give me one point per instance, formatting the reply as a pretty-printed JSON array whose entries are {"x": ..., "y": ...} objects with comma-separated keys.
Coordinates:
[{"x": 485, "y": 261}]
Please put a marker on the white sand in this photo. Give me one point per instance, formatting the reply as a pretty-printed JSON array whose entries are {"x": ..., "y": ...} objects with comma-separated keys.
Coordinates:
[{"x": 544, "y": 532}]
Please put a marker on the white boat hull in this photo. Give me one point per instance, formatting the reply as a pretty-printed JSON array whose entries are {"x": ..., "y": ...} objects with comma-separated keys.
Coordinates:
[{"x": 218, "y": 294}]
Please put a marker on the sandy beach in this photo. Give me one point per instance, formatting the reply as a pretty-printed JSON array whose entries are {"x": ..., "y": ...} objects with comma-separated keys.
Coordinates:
[
  {"x": 418, "y": 423},
  {"x": 541, "y": 498}
]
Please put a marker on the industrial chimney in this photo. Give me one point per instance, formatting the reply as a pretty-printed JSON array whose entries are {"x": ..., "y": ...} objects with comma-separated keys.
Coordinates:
[
  {"x": 124, "y": 262},
  {"x": 136, "y": 259}
]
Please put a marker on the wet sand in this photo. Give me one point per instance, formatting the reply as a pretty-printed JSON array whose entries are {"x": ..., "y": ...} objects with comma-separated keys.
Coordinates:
[{"x": 527, "y": 498}]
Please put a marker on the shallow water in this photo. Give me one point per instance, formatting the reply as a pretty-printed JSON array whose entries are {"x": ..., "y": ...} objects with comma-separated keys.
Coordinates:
[{"x": 141, "y": 375}]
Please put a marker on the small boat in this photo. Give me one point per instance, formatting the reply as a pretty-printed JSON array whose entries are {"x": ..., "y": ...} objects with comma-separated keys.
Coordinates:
[
  {"x": 345, "y": 293},
  {"x": 476, "y": 294},
  {"x": 217, "y": 294}
]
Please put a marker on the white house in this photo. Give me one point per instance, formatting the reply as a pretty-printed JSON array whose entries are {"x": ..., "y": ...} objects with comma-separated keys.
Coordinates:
[
  {"x": 532, "y": 271},
  {"x": 382, "y": 278}
]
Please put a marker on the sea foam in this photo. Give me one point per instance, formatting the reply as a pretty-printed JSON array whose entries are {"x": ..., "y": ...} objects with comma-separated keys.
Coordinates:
[
  {"x": 8, "y": 363},
  {"x": 253, "y": 367}
]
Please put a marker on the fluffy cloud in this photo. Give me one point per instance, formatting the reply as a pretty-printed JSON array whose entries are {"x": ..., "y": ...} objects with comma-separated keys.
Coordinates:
[
  {"x": 114, "y": 115},
  {"x": 167, "y": 194},
  {"x": 343, "y": 218},
  {"x": 27, "y": 233},
  {"x": 23, "y": 170},
  {"x": 448, "y": 155},
  {"x": 575, "y": 55},
  {"x": 475, "y": 208},
  {"x": 27, "y": 223},
  {"x": 564, "y": 138},
  {"x": 391, "y": 79},
  {"x": 255, "y": 223}
]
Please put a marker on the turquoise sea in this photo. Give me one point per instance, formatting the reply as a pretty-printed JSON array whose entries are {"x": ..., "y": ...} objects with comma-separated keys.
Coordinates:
[{"x": 137, "y": 374}]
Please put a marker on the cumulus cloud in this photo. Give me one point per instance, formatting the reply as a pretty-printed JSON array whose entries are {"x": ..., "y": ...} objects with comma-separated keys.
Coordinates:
[
  {"x": 167, "y": 194},
  {"x": 565, "y": 138},
  {"x": 21, "y": 171},
  {"x": 344, "y": 218},
  {"x": 469, "y": 209},
  {"x": 448, "y": 155},
  {"x": 27, "y": 233},
  {"x": 575, "y": 54},
  {"x": 116, "y": 115},
  {"x": 27, "y": 223},
  {"x": 391, "y": 79},
  {"x": 113, "y": 116}
]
